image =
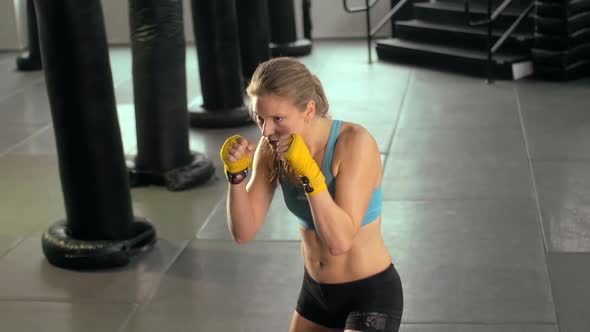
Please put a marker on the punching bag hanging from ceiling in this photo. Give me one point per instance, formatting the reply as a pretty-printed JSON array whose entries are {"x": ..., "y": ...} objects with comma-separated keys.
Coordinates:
[
  {"x": 220, "y": 70},
  {"x": 283, "y": 30},
  {"x": 99, "y": 230},
  {"x": 159, "y": 89},
  {"x": 30, "y": 60},
  {"x": 254, "y": 34}
]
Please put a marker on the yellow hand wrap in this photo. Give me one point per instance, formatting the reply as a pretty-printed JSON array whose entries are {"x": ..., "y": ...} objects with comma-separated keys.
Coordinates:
[
  {"x": 300, "y": 159},
  {"x": 243, "y": 164}
]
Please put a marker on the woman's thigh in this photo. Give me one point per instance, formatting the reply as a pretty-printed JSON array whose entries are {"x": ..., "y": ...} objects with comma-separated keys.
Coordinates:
[
  {"x": 301, "y": 324},
  {"x": 372, "y": 322}
]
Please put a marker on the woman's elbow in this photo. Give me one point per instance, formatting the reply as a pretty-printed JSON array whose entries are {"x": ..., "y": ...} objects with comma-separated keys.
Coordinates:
[
  {"x": 241, "y": 239},
  {"x": 340, "y": 249},
  {"x": 343, "y": 244}
]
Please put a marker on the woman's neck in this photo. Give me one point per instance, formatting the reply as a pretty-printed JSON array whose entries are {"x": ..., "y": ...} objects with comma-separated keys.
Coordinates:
[{"x": 317, "y": 135}]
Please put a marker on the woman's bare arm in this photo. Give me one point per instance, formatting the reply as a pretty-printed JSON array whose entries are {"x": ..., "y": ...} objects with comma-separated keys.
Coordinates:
[{"x": 248, "y": 204}]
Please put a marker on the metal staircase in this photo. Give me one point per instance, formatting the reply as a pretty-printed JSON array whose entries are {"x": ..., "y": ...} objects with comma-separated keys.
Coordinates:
[{"x": 445, "y": 34}]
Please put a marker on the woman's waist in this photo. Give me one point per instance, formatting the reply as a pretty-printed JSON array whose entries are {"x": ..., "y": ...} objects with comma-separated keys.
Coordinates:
[{"x": 357, "y": 263}]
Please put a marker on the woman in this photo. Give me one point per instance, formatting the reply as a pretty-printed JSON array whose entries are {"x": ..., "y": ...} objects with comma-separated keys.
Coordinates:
[{"x": 330, "y": 173}]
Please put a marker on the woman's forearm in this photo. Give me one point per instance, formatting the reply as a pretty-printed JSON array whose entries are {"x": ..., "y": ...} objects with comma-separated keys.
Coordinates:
[
  {"x": 335, "y": 226},
  {"x": 240, "y": 216}
]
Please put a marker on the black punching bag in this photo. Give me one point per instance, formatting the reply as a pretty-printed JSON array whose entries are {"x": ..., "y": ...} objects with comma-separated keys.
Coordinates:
[
  {"x": 283, "y": 30},
  {"x": 159, "y": 89},
  {"x": 30, "y": 60},
  {"x": 254, "y": 34},
  {"x": 216, "y": 35},
  {"x": 99, "y": 230}
]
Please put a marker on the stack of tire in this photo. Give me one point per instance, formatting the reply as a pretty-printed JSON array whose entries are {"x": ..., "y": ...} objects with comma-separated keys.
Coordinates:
[{"x": 562, "y": 39}]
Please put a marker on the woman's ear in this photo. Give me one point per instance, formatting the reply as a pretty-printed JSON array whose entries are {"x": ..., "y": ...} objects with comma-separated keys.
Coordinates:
[{"x": 310, "y": 110}]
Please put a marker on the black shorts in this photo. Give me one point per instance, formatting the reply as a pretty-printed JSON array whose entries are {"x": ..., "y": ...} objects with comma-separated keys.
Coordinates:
[{"x": 373, "y": 304}]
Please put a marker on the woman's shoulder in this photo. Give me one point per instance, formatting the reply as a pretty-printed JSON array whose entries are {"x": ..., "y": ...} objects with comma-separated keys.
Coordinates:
[
  {"x": 353, "y": 133},
  {"x": 356, "y": 146},
  {"x": 355, "y": 142}
]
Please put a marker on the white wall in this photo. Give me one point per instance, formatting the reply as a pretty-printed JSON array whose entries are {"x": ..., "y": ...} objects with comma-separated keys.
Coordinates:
[
  {"x": 9, "y": 34},
  {"x": 329, "y": 20}
]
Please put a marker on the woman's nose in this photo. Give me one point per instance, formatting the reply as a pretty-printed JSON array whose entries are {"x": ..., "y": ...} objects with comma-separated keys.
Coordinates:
[{"x": 267, "y": 129}]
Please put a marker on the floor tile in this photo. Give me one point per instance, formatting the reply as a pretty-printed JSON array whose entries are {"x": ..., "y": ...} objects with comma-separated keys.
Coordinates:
[
  {"x": 456, "y": 114},
  {"x": 570, "y": 273},
  {"x": 279, "y": 225},
  {"x": 446, "y": 179},
  {"x": 35, "y": 197},
  {"x": 471, "y": 293},
  {"x": 564, "y": 200},
  {"x": 222, "y": 286},
  {"x": 28, "y": 107},
  {"x": 28, "y": 276},
  {"x": 13, "y": 81},
  {"x": 478, "y": 328},
  {"x": 63, "y": 317},
  {"x": 459, "y": 144},
  {"x": 8, "y": 243}
]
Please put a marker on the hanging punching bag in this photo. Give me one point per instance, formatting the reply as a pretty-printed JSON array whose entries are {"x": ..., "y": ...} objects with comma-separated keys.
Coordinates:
[
  {"x": 220, "y": 69},
  {"x": 99, "y": 230},
  {"x": 159, "y": 90},
  {"x": 254, "y": 34},
  {"x": 30, "y": 60},
  {"x": 283, "y": 31}
]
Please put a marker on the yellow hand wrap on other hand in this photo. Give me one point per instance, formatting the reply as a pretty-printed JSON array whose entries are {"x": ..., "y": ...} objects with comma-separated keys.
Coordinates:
[
  {"x": 300, "y": 159},
  {"x": 242, "y": 164}
]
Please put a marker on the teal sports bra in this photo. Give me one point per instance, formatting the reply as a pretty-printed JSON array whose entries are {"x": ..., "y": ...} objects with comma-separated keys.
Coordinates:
[{"x": 295, "y": 197}]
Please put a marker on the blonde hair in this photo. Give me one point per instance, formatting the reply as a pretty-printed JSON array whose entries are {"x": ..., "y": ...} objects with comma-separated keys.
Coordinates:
[{"x": 289, "y": 78}]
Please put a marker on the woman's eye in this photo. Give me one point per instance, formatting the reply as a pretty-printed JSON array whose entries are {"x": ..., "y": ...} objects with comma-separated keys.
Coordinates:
[{"x": 278, "y": 118}]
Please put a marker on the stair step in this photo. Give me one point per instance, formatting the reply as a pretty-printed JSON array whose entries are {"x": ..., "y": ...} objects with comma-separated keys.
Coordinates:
[
  {"x": 562, "y": 58},
  {"x": 562, "y": 42},
  {"x": 558, "y": 9},
  {"x": 570, "y": 72},
  {"x": 448, "y": 12},
  {"x": 458, "y": 35},
  {"x": 550, "y": 25},
  {"x": 505, "y": 65}
]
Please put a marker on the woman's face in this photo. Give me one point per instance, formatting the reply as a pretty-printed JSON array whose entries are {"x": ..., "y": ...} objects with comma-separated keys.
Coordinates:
[{"x": 277, "y": 117}]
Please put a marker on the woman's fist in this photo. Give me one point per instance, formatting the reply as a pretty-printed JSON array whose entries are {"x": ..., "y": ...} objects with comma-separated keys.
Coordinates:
[{"x": 236, "y": 154}]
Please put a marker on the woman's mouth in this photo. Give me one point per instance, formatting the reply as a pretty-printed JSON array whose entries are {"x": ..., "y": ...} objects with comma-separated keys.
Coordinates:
[{"x": 273, "y": 140}]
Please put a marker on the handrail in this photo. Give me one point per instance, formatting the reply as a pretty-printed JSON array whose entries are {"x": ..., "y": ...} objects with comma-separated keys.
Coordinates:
[
  {"x": 388, "y": 16},
  {"x": 511, "y": 29},
  {"x": 491, "y": 17},
  {"x": 358, "y": 8},
  {"x": 367, "y": 8}
]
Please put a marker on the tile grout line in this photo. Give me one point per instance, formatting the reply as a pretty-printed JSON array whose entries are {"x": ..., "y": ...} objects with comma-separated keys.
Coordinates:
[
  {"x": 156, "y": 283},
  {"x": 538, "y": 204},
  {"x": 127, "y": 319},
  {"x": 402, "y": 104},
  {"x": 531, "y": 170},
  {"x": 19, "y": 240},
  {"x": 23, "y": 141},
  {"x": 210, "y": 216},
  {"x": 42, "y": 129},
  {"x": 23, "y": 88}
]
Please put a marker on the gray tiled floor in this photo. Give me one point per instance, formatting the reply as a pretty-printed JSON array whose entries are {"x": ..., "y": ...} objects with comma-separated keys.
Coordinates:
[{"x": 487, "y": 189}]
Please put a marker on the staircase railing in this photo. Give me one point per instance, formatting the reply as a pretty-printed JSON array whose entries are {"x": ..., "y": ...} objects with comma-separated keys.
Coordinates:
[
  {"x": 372, "y": 31},
  {"x": 491, "y": 17}
]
